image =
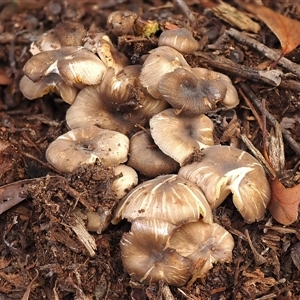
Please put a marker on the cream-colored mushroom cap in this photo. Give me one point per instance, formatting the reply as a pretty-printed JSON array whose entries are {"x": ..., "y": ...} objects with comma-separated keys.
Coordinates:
[
  {"x": 190, "y": 95},
  {"x": 180, "y": 39},
  {"x": 126, "y": 179},
  {"x": 147, "y": 259},
  {"x": 198, "y": 240},
  {"x": 75, "y": 65},
  {"x": 147, "y": 158},
  {"x": 231, "y": 98},
  {"x": 224, "y": 170},
  {"x": 168, "y": 197},
  {"x": 52, "y": 83},
  {"x": 161, "y": 61},
  {"x": 85, "y": 145},
  {"x": 178, "y": 136}
]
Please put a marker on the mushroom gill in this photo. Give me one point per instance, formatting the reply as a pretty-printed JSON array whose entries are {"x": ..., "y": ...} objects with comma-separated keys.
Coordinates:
[
  {"x": 168, "y": 197},
  {"x": 224, "y": 170}
]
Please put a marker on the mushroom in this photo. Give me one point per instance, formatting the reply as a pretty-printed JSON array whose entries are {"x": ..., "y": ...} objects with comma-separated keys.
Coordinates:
[
  {"x": 147, "y": 258},
  {"x": 180, "y": 39},
  {"x": 168, "y": 197},
  {"x": 47, "y": 41},
  {"x": 178, "y": 136},
  {"x": 224, "y": 170},
  {"x": 205, "y": 242},
  {"x": 190, "y": 95},
  {"x": 147, "y": 158},
  {"x": 85, "y": 145},
  {"x": 231, "y": 98},
  {"x": 75, "y": 65},
  {"x": 52, "y": 83},
  {"x": 121, "y": 22},
  {"x": 125, "y": 179},
  {"x": 161, "y": 61}
]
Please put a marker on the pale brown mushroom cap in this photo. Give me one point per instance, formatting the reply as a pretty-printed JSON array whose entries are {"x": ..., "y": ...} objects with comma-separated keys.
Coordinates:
[
  {"x": 121, "y": 22},
  {"x": 168, "y": 197},
  {"x": 146, "y": 258},
  {"x": 224, "y": 170},
  {"x": 161, "y": 61},
  {"x": 126, "y": 180},
  {"x": 147, "y": 158},
  {"x": 86, "y": 144},
  {"x": 52, "y": 83},
  {"x": 190, "y": 95},
  {"x": 231, "y": 98},
  {"x": 180, "y": 39},
  {"x": 198, "y": 240},
  {"x": 178, "y": 136},
  {"x": 75, "y": 65}
]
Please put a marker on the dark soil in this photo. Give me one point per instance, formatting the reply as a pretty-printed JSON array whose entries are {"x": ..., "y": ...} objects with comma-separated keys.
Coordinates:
[{"x": 41, "y": 257}]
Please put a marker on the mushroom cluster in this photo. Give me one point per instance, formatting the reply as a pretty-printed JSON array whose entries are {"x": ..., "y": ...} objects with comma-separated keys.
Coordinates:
[{"x": 155, "y": 114}]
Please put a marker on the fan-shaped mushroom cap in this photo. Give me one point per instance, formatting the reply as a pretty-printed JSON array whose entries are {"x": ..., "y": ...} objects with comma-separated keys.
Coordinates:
[
  {"x": 52, "y": 83},
  {"x": 231, "y": 98},
  {"x": 167, "y": 197},
  {"x": 190, "y": 95},
  {"x": 178, "y": 136},
  {"x": 198, "y": 240},
  {"x": 224, "y": 170},
  {"x": 126, "y": 179},
  {"x": 75, "y": 65},
  {"x": 145, "y": 255},
  {"x": 86, "y": 144},
  {"x": 180, "y": 39},
  {"x": 161, "y": 61},
  {"x": 147, "y": 158}
]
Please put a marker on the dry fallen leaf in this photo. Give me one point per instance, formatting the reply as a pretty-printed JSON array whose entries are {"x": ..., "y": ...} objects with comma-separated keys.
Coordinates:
[
  {"x": 284, "y": 202},
  {"x": 283, "y": 27}
]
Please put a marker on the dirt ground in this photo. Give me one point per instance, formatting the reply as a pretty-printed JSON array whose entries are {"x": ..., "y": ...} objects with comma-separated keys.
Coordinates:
[{"x": 41, "y": 256}]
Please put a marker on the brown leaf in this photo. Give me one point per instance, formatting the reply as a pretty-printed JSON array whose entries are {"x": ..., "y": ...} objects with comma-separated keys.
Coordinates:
[
  {"x": 284, "y": 202},
  {"x": 283, "y": 27}
]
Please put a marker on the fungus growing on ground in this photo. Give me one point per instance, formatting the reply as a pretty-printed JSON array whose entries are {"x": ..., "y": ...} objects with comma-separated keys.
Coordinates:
[
  {"x": 126, "y": 179},
  {"x": 190, "y": 95},
  {"x": 121, "y": 22},
  {"x": 161, "y": 61},
  {"x": 179, "y": 136},
  {"x": 200, "y": 241},
  {"x": 168, "y": 197},
  {"x": 85, "y": 145},
  {"x": 147, "y": 158},
  {"x": 147, "y": 257},
  {"x": 75, "y": 65},
  {"x": 224, "y": 170},
  {"x": 52, "y": 83},
  {"x": 181, "y": 39}
]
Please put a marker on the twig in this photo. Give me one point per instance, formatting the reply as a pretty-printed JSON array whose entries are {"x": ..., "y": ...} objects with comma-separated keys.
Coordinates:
[
  {"x": 271, "y": 54},
  {"x": 185, "y": 10},
  {"x": 286, "y": 135}
]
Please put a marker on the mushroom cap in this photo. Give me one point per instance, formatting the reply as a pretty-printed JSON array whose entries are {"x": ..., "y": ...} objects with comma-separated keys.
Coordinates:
[
  {"x": 190, "y": 95},
  {"x": 86, "y": 144},
  {"x": 231, "y": 98},
  {"x": 145, "y": 255},
  {"x": 161, "y": 61},
  {"x": 147, "y": 158},
  {"x": 180, "y": 39},
  {"x": 121, "y": 22},
  {"x": 198, "y": 240},
  {"x": 47, "y": 41},
  {"x": 75, "y": 65},
  {"x": 168, "y": 197},
  {"x": 91, "y": 108},
  {"x": 52, "y": 83},
  {"x": 126, "y": 179},
  {"x": 178, "y": 136},
  {"x": 224, "y": 170}
]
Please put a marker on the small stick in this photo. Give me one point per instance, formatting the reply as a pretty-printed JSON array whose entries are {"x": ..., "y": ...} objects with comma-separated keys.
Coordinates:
[
  {"x": 271, "y": 54},
  {"x": 185, "y": 10},
  {"x": 286, "y": 135}
]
